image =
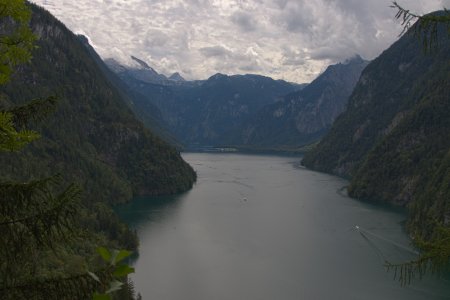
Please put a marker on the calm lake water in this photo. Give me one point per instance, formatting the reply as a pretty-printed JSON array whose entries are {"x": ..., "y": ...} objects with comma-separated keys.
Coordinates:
[{"x": 261, "y": 227}]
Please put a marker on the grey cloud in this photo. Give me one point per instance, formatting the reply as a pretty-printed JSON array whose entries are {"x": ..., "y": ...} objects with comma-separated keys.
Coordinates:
[
  {"x": 297, "y": 16},
  {"x": 156, "y": 38},
  {"x": 281, "y": 3},
  {"x": 330, "y": 53},
  {"x": 289, "y": 39},
  {"x": 294, "y": 61},
  {"x": 224, "y": 58},
  {"x": 250, "y": 67},
  {"x": 215, "y": 51},
  {"x": 332, "y": 30},
  {"x": 293, "y": 57},
  {"x": 244, "y": 20}
]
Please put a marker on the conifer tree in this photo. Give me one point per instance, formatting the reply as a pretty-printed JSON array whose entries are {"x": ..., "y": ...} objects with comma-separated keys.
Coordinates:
[
  {"x": 38, "y": 216},
  {"x": 425, "y": 26}
]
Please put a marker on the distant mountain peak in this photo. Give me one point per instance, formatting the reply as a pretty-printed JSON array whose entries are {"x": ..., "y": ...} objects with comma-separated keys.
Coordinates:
[
  {"x": 356, "y": 58},
  {"x": 114, "y": 65},
  {"x": 218, "y": 76},
  {"x": 142, "y": 63},
  {"x": 138, "y": 70},
  {"x": 144, "y": 72},
  {"x": 176, "y": 77},
  {"x": 84, "y": 39}
]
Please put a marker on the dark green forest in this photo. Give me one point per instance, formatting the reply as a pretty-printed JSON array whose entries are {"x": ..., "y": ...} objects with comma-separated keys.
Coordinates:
[
  {"x": 92, "y": 137},
  {"x": 91, "y": 141}
]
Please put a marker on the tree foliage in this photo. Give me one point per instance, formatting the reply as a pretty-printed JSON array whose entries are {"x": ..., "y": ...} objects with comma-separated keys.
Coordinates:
[
  {"x": 39, "y": 218},
  {"x": 16, "y": 37},
  {"x": 34, "y": 216},
  {"x": 434, "y": 258},
  {"x": 117, "y": 270},
  {"x": 10, "y": 138}
]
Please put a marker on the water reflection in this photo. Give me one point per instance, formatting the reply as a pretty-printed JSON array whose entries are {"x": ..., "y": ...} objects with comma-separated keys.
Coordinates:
[{"x": 142, "y": 212}]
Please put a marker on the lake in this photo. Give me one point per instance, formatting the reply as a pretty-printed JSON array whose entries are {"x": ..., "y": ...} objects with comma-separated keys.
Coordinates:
[{"x": 262, "y": 227}]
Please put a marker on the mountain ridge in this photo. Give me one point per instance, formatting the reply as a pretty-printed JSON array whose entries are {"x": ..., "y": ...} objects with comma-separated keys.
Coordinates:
[{"x": 201, "y": 112}]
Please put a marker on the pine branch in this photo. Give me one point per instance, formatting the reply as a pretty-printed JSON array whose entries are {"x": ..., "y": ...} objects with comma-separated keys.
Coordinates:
[
  {"x": 34, "y": 111},
  {"x": 425, "y": 27},
  {"x": 406, "y": 272},
  {"x": 23, "y": 195},
  {"x": 10, "y": 138},
  {"x": 17, "y": 43},
  {"x": 80, "y": 286},
  {"x": 435, "y": 258},
  {"x": 31, "y": 215},
  {"x": 407, "y": 17},
  {"x": 50, "y": 216}
]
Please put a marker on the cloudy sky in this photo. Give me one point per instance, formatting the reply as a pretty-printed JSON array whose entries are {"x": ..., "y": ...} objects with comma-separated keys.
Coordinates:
[{"x": 284, "y": 39}]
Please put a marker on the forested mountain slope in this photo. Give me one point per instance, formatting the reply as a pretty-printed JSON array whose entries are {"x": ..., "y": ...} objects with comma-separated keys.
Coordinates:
[
  {"x": 147, "y": 112},
  {"x": 93, "y": 138},
  {"x": 394, "y": 138}
]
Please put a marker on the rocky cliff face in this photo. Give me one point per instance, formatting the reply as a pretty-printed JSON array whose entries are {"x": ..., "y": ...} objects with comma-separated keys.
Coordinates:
[
  {"x": 394, "y": 138},
  {"x": 304, "y": 116}
]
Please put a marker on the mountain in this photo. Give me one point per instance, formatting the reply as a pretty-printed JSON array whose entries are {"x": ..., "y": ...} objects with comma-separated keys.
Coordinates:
[
  {"x": 206, "y": 113},
  {"x": 93, "y": 138},
  {"x": 144, "y": 65},
  {"x": 203, "y": 112},
  {"x": 148, "y": 113},
  {"x": 176, "y": 77},
  {"x": 394, "y": 138},
  {"x": 304, "y": 116},
  {"x": 143, "y": 73}
]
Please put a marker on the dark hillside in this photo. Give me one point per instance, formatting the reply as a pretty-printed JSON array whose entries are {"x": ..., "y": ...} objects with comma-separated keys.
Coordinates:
[
  {"x": 394, "y": 138},
  {"x": 93, "y": 138}
]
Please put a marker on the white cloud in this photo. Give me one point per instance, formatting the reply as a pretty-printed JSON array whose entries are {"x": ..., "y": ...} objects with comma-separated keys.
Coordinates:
[{"x": 289, "y": 39}]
